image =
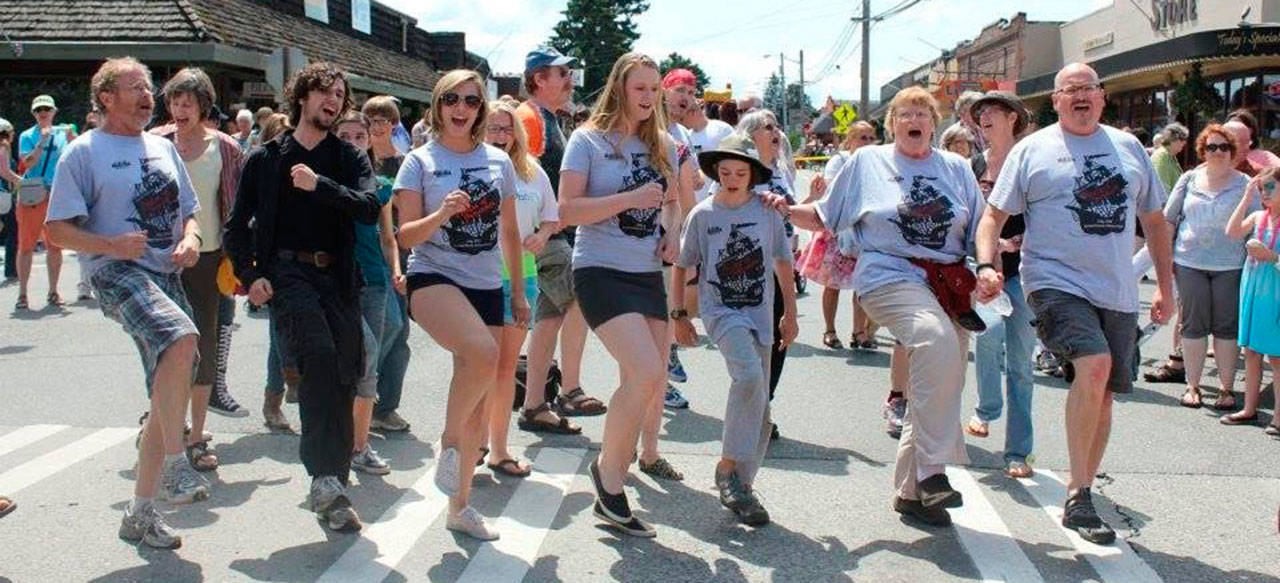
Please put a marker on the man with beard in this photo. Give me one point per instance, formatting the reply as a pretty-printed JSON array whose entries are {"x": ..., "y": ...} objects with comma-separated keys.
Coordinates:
[
  {"x": 291, "y": 237},
  {"x": 1082, "y": 186},
  {"x": 549, "y": 83}
]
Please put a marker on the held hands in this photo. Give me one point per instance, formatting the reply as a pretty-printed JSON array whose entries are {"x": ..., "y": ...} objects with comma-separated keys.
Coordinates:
[
  {"x": 777, "y": 203},
  {"x": 817, "y": 187},
  {"x": 128, "y": 246},
  {"x": 454, "y": 203},
  {"x": 990, "y": 283},
  {"x": 685, "y": 333},
  {"x": 400, "y": 283},
  {"x": 669, "y": 248},
  {"x": 260, "y": 292},
  {"x": 304, "y": 178},
  {"x": 187, "y": 253},
  {"x": 1011, "y": 245}
]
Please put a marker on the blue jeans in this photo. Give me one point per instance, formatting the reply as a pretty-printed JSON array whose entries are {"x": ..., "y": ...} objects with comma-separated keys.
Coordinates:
[
  {"x": 382, "y": 323},
  {"x": 275, "y": 356},
  {"x": 395, "y": 356},
  {"x": 1012, "y": 341}
]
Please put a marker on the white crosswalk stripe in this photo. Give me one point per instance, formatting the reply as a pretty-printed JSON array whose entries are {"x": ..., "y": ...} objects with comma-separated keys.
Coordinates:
[
  {"x": 33, "y": 471},
  {"x": 985, "y": 536},
  {"x": 1114, "y": 563},
  {"x": 384, "y": 543},
  {"x": 525, "y": 522},
  {"x": 24, "y": 436}
]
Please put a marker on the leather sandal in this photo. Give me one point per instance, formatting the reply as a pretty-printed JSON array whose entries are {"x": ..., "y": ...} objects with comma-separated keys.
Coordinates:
[
  {"x": 1191, "y": 398},
  {"x": 832, "y": 340},
  {"x": 529, "y": 422},
  {"x": 1226, "y": 400}
]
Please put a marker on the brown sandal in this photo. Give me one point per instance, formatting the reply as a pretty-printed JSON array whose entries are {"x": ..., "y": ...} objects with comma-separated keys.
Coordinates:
[
  {"x": 511, "y": 467},
  {"x": 7, "y": 505},
  {"x": 529, "y": 422},
  {"x": 576, "y": 403},
  {"x": 1226, "y": 400},
  {"x": 1191, "y": 398},
  {"x": 832, "y": 340},
  {"x": 977, "y": 427}
]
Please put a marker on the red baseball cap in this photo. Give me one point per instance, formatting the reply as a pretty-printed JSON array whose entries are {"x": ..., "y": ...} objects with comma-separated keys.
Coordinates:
[{"x": 676, "y": 77}]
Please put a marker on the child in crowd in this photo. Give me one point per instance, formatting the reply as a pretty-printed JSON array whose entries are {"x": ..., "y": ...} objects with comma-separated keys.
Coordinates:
[
  {"x": 1259, "y": 290},
  {"x": 739, "y": 244}
]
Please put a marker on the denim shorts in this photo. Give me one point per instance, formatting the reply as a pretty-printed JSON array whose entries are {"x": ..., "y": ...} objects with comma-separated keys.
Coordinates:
[
  {"x": 1071, "y": 327},
  {"x": 151, "y": 307}
]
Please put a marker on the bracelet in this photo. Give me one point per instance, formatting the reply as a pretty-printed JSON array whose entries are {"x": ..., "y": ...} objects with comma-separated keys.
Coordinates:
[
  {"x": 679, "y": 314},
  {"x": 198, "y": 237},
  {"x": 982, "y": 266}
]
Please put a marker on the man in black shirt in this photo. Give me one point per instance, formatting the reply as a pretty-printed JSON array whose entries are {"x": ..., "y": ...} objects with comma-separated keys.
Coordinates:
[{"x": 291, "y": 237}]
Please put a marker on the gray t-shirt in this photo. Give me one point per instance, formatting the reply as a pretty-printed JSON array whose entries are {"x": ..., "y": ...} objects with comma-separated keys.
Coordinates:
[
  {"x": 900, "y": 209},
  {"x": 1080, "y": 197},
  {"x": 465, "y": 248},
  {"x": 627, "y": 241},
  {"x": 1200, "y": 240},
  {"x": 111, "y": 184},
  {"x": 737, "y": 248}
]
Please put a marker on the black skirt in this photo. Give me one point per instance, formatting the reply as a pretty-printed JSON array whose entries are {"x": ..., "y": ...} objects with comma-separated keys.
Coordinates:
[{"x": 604, "y": 294}]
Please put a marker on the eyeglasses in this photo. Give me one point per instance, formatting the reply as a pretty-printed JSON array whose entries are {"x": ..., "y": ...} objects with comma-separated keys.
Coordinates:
[
  {"x": 1073, "y": 90},
  {"x": 473, "y": 101},
  {"x": 912, "y": 115},
  {"x": 1219, "y": 147},
  {"x": 509, "y": 130}
]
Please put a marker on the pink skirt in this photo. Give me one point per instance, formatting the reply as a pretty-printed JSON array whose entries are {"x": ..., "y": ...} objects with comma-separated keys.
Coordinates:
[{"x": 823, "y": 263}]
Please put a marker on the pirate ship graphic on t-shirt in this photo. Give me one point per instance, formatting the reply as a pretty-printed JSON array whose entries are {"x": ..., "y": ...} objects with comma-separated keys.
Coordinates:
[
  {"x": 155, "y": 199},
  {"x": 475, "y": 229},
  {"x": 924, "y": 215},
  {"x": 640, "y": 223},
  {"x": 1101, "y": 198},
  {"x": 740, "y": 270}
]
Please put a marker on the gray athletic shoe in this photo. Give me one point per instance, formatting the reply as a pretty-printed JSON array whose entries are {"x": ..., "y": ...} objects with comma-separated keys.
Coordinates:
[
  {"x": 148, "y": 527},
  {"x": 182, "y": 484},
  {"x": 328, "y": 499},
  {"x": 448, "y": 479},
  {"x": 368, "y": 461}
]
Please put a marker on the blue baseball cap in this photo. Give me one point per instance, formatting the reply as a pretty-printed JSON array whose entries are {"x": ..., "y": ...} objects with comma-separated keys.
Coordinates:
[{"x": 545, "y": 56}]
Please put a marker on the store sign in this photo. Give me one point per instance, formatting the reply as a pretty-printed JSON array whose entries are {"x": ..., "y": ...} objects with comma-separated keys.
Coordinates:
[
  {"x": 1099, "y": 41},
  {"x": 253, "y": 89},
  {"x": 1249, "y": 41},
  {"x": 1169, "y": 13}
]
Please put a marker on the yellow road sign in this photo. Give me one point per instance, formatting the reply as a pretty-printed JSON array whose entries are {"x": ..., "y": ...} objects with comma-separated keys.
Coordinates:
[{"x": 844, "y": 116}]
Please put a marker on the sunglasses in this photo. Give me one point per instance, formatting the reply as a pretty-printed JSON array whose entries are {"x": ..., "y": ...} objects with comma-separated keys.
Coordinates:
[
  {"x": 43, "y": 109},
  {"x": 1224, "y": 148},
  {"x": 451, "y": 99}
]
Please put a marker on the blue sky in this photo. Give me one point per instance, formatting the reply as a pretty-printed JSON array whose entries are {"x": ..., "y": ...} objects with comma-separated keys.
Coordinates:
[{"x": 730, "y": 39}]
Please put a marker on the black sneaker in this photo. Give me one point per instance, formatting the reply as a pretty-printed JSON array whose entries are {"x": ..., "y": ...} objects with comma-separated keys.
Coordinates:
[
  {"x": 615, "y": 510},
  {"x": 1079, "y": 515},
  {"x": 936, "y": 491},
  {"x": 930, "y": 515},
  {"x": 220, "y": 402},
  {"x": 773, "y": 433}
]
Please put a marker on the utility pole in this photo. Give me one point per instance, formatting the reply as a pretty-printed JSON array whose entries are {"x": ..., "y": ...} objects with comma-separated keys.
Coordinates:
[
  {"x": 782, "y": 73},
  {"x": 802, "y": 99},
  {"x": 866, "y": 60}
]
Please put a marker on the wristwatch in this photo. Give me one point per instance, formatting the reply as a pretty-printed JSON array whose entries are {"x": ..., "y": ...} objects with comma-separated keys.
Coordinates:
[
  {"x": 679, "y": 314},
  {"x": 982, "y": 266}
]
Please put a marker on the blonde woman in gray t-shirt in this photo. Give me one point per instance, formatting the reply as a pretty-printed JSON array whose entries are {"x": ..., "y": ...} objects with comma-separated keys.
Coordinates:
[{"x": 616, "y": 182}]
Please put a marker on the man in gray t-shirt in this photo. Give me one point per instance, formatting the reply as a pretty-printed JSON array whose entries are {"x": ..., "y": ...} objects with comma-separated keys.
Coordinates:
[
  {"x": 1081, "y": 187},
  {"x": 122, "y": 198}
]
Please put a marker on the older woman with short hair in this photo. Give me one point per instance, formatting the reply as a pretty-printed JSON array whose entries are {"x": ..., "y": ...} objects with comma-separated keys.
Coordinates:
[
  {"x": 959, "y": 140},
  {"x": 914, "y": 211}
]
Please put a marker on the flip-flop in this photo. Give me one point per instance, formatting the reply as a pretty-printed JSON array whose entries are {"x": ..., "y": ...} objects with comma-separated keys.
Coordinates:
[
  {"x": 976, "y": 428},
  {"x": 7, "y": 505},
  {"x": 505, "y": 467}
]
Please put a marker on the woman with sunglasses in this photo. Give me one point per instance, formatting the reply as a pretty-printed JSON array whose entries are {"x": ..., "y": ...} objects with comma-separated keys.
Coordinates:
[
  {"x": 618, "y": 183},
  {"x": 456, "y": 197},
  {"x": 762, "y": 127},
  {"x": 1207, "y": 265}
]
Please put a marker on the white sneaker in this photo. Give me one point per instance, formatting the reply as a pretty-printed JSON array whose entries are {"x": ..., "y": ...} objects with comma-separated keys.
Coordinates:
[
  {"x": 147, "y": 526},
  {"x": 448, "y": 479},
  {"x": 470, "y": 523},
  {"x": 182, "y": 484}
]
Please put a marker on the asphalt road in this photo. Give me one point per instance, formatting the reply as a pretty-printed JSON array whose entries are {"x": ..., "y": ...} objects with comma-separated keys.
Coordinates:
[{"x": 1193, "y": 500}]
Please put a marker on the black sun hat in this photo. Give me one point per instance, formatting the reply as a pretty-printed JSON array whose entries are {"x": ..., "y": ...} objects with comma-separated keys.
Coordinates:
[
  {"x": 737, "y": 146},
  {"x": 1010, "y": 102}
]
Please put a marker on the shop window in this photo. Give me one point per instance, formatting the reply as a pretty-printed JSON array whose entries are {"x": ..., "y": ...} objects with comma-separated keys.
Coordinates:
[{"x": 1269, "y": 110}]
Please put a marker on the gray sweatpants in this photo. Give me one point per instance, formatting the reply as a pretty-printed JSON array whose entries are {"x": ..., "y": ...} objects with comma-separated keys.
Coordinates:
[{"x": 746, "y": 416}]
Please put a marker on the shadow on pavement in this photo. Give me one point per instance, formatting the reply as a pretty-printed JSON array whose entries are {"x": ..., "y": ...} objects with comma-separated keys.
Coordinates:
[
  {"x": 162, "y": 567},
  {"x": 297, "y": 564},
  {"x": 15, "y": 349}
]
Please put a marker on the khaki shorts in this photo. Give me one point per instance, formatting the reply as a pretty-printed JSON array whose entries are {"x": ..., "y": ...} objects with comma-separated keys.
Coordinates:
[{"x": 555, "y": 280}]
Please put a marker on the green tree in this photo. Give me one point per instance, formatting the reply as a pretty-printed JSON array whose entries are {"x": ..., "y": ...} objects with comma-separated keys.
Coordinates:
[
  {"x": 678, "y": 61},
  {"x": 1196, "y": 96},
  {"x": 773, "y": 95},
  {"x": 799, "y": 109},
  {"x": 597, "y": 32}
]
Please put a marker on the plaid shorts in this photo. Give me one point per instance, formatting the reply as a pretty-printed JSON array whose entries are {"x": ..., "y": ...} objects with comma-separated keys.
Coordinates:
[{"x": 150, "y": 306}]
